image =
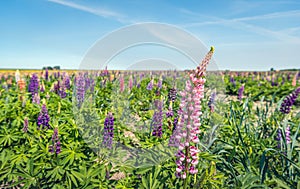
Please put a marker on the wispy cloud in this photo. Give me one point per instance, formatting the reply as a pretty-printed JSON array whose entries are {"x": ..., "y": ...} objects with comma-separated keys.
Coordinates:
[
  {"x": 96, "y": 11},
  {"x": 239, "y": 23}
]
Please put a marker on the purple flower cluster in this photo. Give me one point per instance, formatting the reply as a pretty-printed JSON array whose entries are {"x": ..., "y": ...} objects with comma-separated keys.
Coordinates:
[
  {"x": 43, "y": 118},
  {"x": 108, "y": 133},
  {"x": 56, "y": 146},
  {"x": 60, "y": 89},
  {"x": 169, "y": 113},
  {"x": 159, "y": 83},
  {"x": 240, "y": 92},
  {"x": 232, "y": 81},
  {"x": 67, "y": 82},
  {"x": 174, "y": 141},
  {"x": 80, "y": 89},
  {"x": 46, "y": 74},
  {"x": 150, "y": 85},
  {"x": 172, "y": 94},
  {"x": 33, "y": 86},
  {"x": 157, "y": 119},
  {"x": 211, "y": 102},
  {"x": 288, "y": 102},
  {"x": 279, "y": 138}
]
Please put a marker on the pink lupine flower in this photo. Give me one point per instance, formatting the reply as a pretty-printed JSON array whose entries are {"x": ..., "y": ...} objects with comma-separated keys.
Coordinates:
[{"x": 187, "y": 129}]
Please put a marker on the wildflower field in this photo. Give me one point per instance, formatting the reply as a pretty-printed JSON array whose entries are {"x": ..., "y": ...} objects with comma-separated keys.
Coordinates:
[{"x": 139, "y": 129}]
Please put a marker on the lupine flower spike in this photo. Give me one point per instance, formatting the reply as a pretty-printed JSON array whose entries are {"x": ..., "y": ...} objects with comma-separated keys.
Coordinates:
[
  {"x": 288, "y": 102},
  {"x": 187, "y": 129},
  {"x": 240, "y": 92},
  {"x": 157, "y": 119},
  {"x": 108, "y": 133},
  {"x": 43, "y": 118},
  {"x": 56, "y": 146}
]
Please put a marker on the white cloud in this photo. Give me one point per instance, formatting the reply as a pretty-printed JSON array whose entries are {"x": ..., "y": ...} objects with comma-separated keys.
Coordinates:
[{"x": 99, "y": 11}]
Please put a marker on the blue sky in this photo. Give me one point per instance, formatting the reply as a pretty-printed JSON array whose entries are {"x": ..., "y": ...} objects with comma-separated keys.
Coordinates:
[{"x": 247, "y": 35}]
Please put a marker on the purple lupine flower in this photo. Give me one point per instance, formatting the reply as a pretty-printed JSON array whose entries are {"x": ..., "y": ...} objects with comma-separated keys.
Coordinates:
[
  {"x": 159, "y": 83},
  {"x": 135, "y": 80},
  {"x": 172, "y": 94},
  {"x": 43, "y": 118},
  {"x": 279, "y": 138},
  {"x": 80, "y": 89},
  {"x": 25, "y": 125},
  {"x": 232, "y": 80},
  {"x": 56, "y": 146},
  {"x": 33, "y": 86},
  {"x": 150, "y": 85},
  {"x": 141, "y": 76},
  {"x": 288, "y": 135},
  {"x": 211, "y": 102},
  {"x": 87, "y": 81},
  {"x": 108, "y": 133},
  {"x": 42, "y": 88},
  {"x": 240, "y": 92},
  {"x": 57, "y": 87},
  {"x": 92, "y": 85},
  {"x": 67, "y": 82},
  {"x": 169, "y": 113},
  {"x": 289, "y": 100},
  {"x": 157, "y": 119},
  {"x": 62, "y": 92},
  {"x": 46, "y": 74}
]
